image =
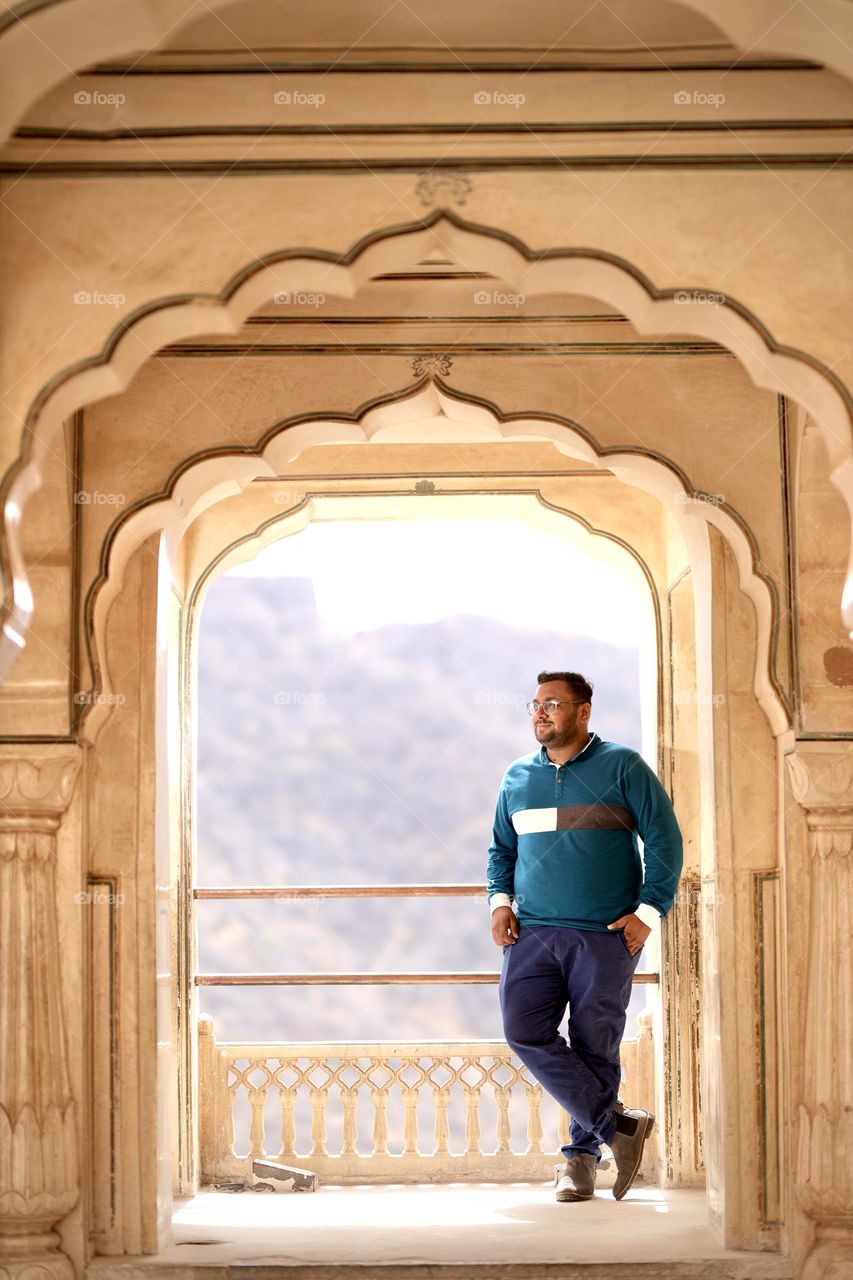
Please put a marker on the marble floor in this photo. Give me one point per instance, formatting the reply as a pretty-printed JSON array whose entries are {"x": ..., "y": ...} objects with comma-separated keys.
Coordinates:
[{"x": 458, "y": 1231}]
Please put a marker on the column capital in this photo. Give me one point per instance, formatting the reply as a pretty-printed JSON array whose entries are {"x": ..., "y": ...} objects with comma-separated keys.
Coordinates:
[
  {"x": 37, "y": 785},
  {"x": 822, "y": 775}
]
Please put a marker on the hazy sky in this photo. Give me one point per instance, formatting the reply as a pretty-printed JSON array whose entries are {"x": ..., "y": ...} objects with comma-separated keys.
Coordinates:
[{"x": 367, "y": 573}]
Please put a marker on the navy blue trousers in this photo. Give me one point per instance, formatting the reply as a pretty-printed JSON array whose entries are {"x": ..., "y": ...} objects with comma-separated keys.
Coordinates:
[{"x": 549, "y": 967}]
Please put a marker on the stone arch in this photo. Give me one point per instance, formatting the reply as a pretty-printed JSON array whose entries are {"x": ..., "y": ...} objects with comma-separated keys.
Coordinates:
[
  {"x": 87, "y": 32},
  {"x": 532, "y": 506},
  {"x": 487, "y": 249},
  {"x": 429, "y": 412}
]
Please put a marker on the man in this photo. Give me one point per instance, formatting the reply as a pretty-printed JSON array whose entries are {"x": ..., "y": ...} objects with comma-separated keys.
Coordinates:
[{"x": 565, "y": 847}]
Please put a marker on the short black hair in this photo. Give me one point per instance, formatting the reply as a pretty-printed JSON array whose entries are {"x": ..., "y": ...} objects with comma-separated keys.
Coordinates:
[{"x": 579, "y": 685}]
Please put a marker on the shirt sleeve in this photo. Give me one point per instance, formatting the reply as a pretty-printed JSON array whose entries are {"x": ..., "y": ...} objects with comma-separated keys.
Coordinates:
[
  {"x": 499, "y": 900},
  {"x": 663, "y": 852},
  {"x": 649, "y": 915},
  {"x": 500, "y": 873}
]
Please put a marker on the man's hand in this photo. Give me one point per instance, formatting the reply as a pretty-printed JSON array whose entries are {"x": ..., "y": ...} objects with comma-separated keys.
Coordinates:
[
  {"x": 634, "y": 930},
  {"x": 504, "y": 926}
]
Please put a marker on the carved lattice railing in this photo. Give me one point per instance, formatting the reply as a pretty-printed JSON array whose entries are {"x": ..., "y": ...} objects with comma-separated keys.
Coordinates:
[{"x": 463, "y": 1088}]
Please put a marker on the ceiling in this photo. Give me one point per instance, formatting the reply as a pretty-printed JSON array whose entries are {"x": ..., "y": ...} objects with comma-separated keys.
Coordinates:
[{"x": 448, "y": 27}]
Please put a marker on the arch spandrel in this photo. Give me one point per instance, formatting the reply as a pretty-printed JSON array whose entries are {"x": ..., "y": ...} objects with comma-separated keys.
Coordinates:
[
  {"x": 485, "y": 249},
  {"x": 416, "y": 416}
]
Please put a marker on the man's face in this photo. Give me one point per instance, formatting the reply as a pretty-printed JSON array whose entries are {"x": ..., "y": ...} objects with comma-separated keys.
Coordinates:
[{"x": 563, "y": 725}]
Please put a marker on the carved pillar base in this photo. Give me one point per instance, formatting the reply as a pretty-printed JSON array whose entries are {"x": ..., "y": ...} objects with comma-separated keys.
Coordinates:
[
  {"x": 822, "y": 781},
  {"x": 832, "y": 1256},
  {"x": 34, "y": 1254},
  {"x": 39, "y": 1177}
]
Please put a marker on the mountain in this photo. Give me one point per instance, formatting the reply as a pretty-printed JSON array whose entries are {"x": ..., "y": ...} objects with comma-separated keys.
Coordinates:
[{"x": 376, "y": 758}]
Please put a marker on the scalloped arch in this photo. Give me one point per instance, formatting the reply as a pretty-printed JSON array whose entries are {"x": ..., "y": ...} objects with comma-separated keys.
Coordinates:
[
  {"x": 428, "y": 413},
  {"x": 583, "y": 271}
]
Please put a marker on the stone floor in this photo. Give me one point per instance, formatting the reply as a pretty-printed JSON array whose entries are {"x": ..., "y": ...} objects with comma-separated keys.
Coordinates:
[{"x": 458, "y": 1232}]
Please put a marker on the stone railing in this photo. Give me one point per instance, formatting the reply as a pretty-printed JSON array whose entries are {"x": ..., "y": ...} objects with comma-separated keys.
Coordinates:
[{"x": 408, "y": 1111}]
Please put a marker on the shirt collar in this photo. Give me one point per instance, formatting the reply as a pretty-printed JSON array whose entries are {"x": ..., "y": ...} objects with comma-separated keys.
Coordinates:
[{"x": 543, "y": 754}]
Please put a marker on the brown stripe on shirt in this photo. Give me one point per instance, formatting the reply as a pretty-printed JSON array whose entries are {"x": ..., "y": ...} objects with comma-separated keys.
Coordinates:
[{"x": 572, "y": 817}]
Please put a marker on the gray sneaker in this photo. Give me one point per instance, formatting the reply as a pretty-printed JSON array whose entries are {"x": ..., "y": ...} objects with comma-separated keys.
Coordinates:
[
  {"x": 628, "y": 1148},
  {"x": 575, "y": 1180}
]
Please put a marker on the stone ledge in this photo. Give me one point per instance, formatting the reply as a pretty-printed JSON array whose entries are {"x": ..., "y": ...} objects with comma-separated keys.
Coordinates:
[{"x": 759, "y": 1267}]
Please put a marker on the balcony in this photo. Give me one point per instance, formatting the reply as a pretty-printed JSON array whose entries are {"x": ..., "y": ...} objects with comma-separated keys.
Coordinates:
[{"x": 409, "y": 1111}]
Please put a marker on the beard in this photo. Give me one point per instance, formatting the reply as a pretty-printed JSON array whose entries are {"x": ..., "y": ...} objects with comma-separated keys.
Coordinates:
[{"x": 549, "y": 736}]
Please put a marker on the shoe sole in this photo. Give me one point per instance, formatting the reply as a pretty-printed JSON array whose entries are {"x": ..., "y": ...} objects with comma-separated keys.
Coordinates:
[{"x": 649, "y": 1124}]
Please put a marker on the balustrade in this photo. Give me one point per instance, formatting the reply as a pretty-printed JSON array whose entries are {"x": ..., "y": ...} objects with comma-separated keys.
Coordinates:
[{"x": 453, "y": 1079}]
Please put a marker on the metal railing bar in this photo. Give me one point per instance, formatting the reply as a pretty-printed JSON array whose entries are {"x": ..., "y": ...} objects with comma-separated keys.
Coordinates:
[
  {"x": 361, "y": 979},
  {"x": 342, "y": 891}
]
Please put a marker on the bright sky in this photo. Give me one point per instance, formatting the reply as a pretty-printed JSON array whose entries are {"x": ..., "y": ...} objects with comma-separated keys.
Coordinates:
[{"x": 369, "y": 572}]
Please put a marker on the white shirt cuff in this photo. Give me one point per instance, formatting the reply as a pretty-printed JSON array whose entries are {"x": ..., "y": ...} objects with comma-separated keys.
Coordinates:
[
  {"x": 499, "y": 900},
  {"x": 649, "y": 915}
]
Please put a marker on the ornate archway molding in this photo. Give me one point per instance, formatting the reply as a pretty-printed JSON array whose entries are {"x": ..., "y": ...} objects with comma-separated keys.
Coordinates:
[
  {"x": 43, "y": 40},
  {"x": 434, "y": 414},
  {"x": 483, "y": 249}
]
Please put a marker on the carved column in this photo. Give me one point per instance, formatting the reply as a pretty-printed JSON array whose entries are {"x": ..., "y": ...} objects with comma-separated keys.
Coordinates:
[
  {"x": 822, "y": 782},
  {"x": 39, "y": 1178}
]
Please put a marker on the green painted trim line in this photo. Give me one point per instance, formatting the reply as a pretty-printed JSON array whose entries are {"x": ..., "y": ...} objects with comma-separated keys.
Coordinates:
[
  {"x": 75, "y": 709},
  {"x": 821, "y": 737},
  {"x": 111, "y": 885},
  {"x": 185, "y": 922},
  {"x": 761, "y": 879},
  {"x": 775, "y": 624},
  {"x": 47, "y": 738},
  {"x": 230, "y": 168},
  {"x": 676, "y": 581},
  {"x": 669, "y": 593},
  {"x": 790, "y": 562},
  {"x": 426, "y": 127},
  {"x": 433, "y": 475},
  {"x": 239, "y": 350},
  {"x": 25, "y": 9},
  {"x": 379, "y": 67},
  {"x": 264, "y": 320}
]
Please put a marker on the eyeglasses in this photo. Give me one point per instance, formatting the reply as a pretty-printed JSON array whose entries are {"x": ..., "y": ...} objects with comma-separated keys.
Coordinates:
[{"x": 551, "y": 705}]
